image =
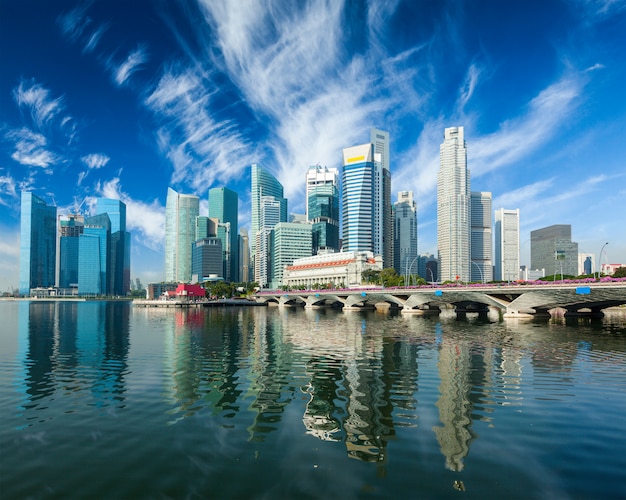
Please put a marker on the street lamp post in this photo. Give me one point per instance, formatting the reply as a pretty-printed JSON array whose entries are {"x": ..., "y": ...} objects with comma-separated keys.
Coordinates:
[
  {"x": 600, "y": 260},
  {"x": 482, "y": 276},
  {"x": 408, "y": 270}
]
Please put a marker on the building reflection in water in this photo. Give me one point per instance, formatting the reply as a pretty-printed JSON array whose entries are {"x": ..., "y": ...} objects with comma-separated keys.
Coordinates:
[
  {"x": 72, "y": 348},
  {"x": 356, "y": 381}
]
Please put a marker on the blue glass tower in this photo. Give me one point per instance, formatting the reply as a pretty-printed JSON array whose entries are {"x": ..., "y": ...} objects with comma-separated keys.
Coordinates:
[
  {"x": 119, "y": 259},
  {"x": 224, "y": 206},
  {"x": 37, "y": 243},
  {"x": 264, "y": 184},
  {"x": 93, "y": 256},
  {"x": 70, "y": 229}
]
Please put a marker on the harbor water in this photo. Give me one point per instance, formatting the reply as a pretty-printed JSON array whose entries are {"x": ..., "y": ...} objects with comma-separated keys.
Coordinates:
[{"x": 107, "y": 400}]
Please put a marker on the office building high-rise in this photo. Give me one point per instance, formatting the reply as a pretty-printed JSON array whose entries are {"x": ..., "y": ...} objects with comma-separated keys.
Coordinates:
[
  {"x": 224, "y": 206},
  {"x": 264, "y": 184},
  {"x": 116, "y": 210},
  {"x": 507, "y": 246},
  {"x": 181, "y": 211},
  {"x": 366, "y": 198},
  {"x": 94, "y": 256},
  {"x": 38, "y": 237},
  {"x": 70, "y": 229},
  {"x": 322, "y": 207},
  {"x": 206, "y": 258},
  {"x": 453, "y": 208},
  {"x": 288, "y": 241},
  {"x": 119, "y": 258},
  {"x": 244, "y": 256},
  {"x": 552, "y": 249},
  {"x": 405, "y": 234},
  {"x": 380, "y": 140},
  {"x": 270, "y": 213},
  {"x": 481, "y": 237}
]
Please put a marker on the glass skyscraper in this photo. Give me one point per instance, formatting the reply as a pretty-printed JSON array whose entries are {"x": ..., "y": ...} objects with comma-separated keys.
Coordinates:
[
  {"x": 119, "y": 258},
  {"x": 405, "y": 234},
  {"x": 70, "y": 229},
  {"x": 181, "y": 211},
  {"x": 507, "y": 258},
  {"x": 264, "y": 184},
  {"x": 552, "y": 249},
  {"x": 453, "y": 208},
  {"x": 224, "y": 206},
  {"x": 367, "y": 223},
  {"x": 269, "y": 216},
  {"x": 38, "y": 235},
  {"x": 93, "y": 256},
  {"x": 482, "y": 267},
  {"x": 322, "y": 199}
]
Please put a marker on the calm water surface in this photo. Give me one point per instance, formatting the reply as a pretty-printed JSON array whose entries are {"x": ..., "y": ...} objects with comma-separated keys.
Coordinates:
[{"x": 105, "y": 400}]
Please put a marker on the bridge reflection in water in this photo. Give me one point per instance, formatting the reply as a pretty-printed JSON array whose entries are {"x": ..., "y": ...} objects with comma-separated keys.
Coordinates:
[{"x": 518, "y": 300}]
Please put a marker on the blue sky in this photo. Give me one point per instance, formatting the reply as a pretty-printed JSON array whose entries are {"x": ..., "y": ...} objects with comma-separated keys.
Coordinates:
[{"x": 123, "y": 99}]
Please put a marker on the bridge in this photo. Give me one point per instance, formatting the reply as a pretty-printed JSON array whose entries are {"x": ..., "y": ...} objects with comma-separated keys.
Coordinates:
[{"x": 512, "y": 300}]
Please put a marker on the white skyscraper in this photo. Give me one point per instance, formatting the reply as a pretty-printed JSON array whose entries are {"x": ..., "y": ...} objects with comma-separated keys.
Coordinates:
[
  {"x": 269, "y": 216},
  {"x": 380, "y": 140},
  {"x": 181, "y": 211},
  {"x": 482, "y": 267},
  {"x": 453, "y": 208},
  {"x": 506, "y": 266}
]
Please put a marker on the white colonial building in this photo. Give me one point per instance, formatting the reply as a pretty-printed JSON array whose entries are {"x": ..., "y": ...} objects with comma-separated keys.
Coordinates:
[{"x": 342, "y": 269}]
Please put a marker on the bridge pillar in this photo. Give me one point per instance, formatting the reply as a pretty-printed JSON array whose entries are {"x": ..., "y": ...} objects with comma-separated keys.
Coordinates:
[
  {"x": 595, "y": 313},
  {"x": 424, "y": 310}
]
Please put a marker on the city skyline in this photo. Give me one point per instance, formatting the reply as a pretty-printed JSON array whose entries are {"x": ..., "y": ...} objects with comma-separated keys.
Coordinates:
[{"x": 98, "y": 100}]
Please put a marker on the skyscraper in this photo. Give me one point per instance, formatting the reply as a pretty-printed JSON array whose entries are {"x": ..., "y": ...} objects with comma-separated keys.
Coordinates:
[
  {"x": 119, "y": 258},
  {"x": 453, "y": 208},
  {"x": 94, "y": 256},
  {"x": 224, "y": 205},
  {"x": 552, "y": 249},
  {"x": 269, "y": 215},
  {"x": 181, "y": 211},
  {"x": 206, "y": 258},
  {"x": 289, "y": 241},
  {"x": 405, "y": 234},
  {"x": 507, "y": 259},
  {"x": 380, "y": 140},
  {"x": 481, "y": 242},
  {"x": 366, "y": 198},
  {"x": 322, "y": 207},
  {"x": 70, "y": 229},
  {"x": 264, "y": 184},
  {"x": 37, "y": 243}
]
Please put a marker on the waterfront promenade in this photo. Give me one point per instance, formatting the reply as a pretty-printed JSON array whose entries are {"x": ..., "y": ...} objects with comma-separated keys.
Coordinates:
[{"x": 577, "y": 298}]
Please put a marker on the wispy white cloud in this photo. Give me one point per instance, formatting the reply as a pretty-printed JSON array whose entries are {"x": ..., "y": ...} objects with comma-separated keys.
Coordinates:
[
  {"x": 291, "y": 65},
  {"x": 74, "y": 22},
  {"x": 594, "y": 10},
  {"x": 133, "y": 63},
  {"x": 469, "y": 85},
  {"x": 519, "y": 137},
  {"x": 95, "y": 160},
  {"x": 9, "y": 258},
  {"x": 147, "y": 219},
  {"x": 94, "y": 38},
  {"x": 33, "y": 96},
  {"x": 524, "y": 195},
  {"x": 31, "y": 148},
  {"x": 201, "y": 148},
  {"x": 8, "y": 191}
]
